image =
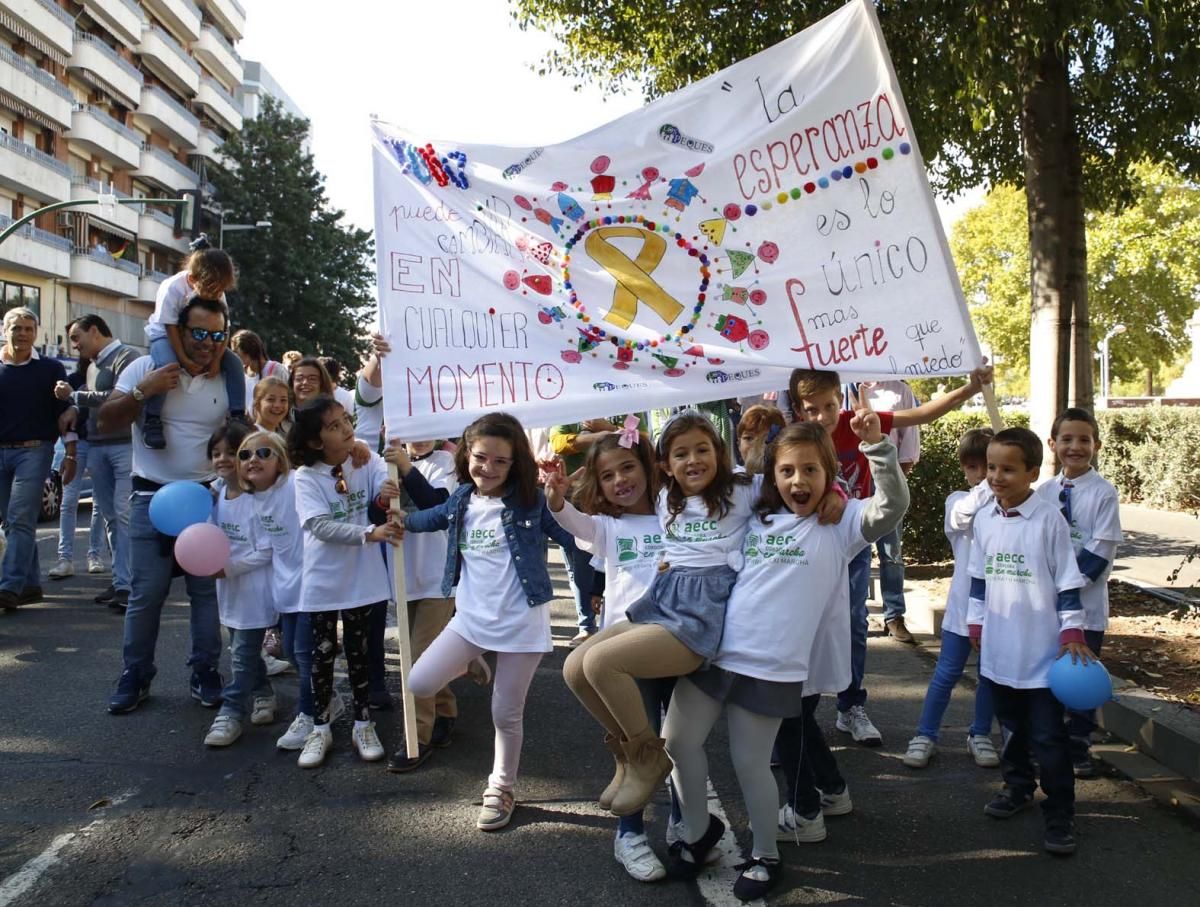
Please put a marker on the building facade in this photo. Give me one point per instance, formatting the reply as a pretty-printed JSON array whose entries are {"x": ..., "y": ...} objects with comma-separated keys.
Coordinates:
[{"x": 115, "y": 96}]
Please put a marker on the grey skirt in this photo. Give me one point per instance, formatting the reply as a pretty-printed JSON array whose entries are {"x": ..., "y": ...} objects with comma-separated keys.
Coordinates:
[
  {"x": 690, "y": 603},
  {"x": 772, "y": 698}
]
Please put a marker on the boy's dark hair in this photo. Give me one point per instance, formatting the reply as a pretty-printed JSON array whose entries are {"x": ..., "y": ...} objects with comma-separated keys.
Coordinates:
[
  {"x": 1076, "y": 414},
  {"x": 310, "y": 419},
  {"x": 233, "y": 432},
  {"x": 972, "y": 447},
  {"x": 89, "y": 321},
  {"x": 587, "y": 495},
  {"x": 805, "y": 382},
  {"x": 718, "y": 496},
  {"x": 208, "y": 305},
  {"x": 1029, "y": 444},
  {"x": 522, "y": 474}
]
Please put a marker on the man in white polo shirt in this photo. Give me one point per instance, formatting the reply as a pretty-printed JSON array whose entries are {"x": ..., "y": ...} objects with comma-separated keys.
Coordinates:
[{"x": 195, "y": 406}]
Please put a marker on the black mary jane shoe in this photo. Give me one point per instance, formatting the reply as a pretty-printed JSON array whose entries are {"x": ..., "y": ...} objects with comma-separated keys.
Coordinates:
[
  {"x": 758, "y": 876},
  {"x": 688, "y": 859}
]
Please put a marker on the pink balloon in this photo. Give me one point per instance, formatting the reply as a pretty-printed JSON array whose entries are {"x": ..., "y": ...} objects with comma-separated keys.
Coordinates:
[{"x": 202, "y": 549}]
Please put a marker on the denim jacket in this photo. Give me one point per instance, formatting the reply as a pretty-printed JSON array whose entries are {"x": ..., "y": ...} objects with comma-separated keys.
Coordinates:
[{"x": 524, "y": 528}]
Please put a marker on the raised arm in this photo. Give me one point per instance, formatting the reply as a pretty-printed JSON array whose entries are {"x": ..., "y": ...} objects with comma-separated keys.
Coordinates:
[
  {"x": 886, "y": 508},
  {"x": 938, "y": 407}
]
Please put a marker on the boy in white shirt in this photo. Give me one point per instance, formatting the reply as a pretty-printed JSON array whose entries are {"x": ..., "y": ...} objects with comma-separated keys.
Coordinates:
[
  {"x": 1025, "y": 612},
  {"x": 1090, "y": 505}
]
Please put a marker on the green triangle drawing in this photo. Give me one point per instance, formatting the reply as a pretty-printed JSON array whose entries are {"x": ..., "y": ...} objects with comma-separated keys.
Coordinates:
[
  {"x": 739, "y": 261},
  {"x": 668, "y": 361}
]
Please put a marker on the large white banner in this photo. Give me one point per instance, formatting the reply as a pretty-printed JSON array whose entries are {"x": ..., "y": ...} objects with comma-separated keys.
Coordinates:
[{"x": 774, "y": 215}]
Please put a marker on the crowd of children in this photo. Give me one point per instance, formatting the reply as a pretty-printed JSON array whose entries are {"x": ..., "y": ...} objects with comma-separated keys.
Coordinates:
[{"x": 727, "y": 588}]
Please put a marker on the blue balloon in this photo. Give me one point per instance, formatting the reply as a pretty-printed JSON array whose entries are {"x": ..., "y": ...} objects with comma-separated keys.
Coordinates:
[
  {"x": 1080, "y": 686},
  {"x": 178, "y": 505}
]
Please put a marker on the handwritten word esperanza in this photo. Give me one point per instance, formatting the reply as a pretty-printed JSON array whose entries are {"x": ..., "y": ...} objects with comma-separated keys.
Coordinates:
[{"x": 813, "y": 149}]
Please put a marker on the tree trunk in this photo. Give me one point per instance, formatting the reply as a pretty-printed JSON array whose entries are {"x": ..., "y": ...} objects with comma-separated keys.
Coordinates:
[
  {"x": 1149, "y": 382},
  {"x": 1059, "y": 369}
]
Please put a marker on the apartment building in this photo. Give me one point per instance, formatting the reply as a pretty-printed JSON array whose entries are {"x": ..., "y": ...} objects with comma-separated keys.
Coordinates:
[{"x": 136, "y": 96}]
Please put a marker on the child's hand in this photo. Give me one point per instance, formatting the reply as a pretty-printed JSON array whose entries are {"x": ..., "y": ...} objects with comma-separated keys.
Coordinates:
[
  {"x": 596, "y": 426},
  {"x": 395, "y": 455},
  {"x": 554, "y": 477},
  {"x": 1079, "y": 652},
  {"x": 389, "y": 490},
  {"x": 981, "y": 376},
  {"x": 379, "y": 346},
  {"x": 865, "y": 421},
  {"x": 831, "y": 507},
  {"x": 391, "y": 532},
  {"x": 360, "y": 454}
]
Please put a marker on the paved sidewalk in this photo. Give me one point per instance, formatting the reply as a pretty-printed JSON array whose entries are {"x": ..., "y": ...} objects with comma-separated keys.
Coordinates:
[{"x": 1156, "y": 543}]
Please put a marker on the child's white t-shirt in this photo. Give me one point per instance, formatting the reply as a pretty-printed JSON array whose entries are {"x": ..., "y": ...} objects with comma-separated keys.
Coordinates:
[
  {"x": 336, "y": 576},
  {"x": 961, "y": 507},
  {"x": 280, "y": 523},
  {"x": 1095, "y": 518},
  {"x": 631, "y": 546},
  {"x": 244, "y": 599},
  {"x": 173, "y": 294},
  {"x": 696, "y": 539},
  {"x": 425, "y": 552},
  {"x": 491, "y": 609},
  {"x": 788, "y": 617},
  {"x": 1026, "y": 559}
]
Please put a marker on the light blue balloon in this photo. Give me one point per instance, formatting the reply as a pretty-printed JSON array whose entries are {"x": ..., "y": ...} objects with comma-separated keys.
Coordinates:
[
  {"x": 178, "y": 505},
  {"x": 1080, "y": 686}
]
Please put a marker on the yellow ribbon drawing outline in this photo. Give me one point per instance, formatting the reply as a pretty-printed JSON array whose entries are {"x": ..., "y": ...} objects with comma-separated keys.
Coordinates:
[{"x": 632, "y": 275}]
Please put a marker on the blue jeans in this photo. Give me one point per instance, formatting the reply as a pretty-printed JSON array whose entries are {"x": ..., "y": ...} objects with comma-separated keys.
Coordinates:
[
  {"x": 1034, "y": 721},
  {"x": 1081, "y": 724},
  {"x": 110, "y": 465},
  {"x": 581, "y": 575},
  {"x": 249, "y": 679},
  {"x": 953, "y": 658},
  {"x": 860, "y": 576},
  {"x": 808, "y": 765},
  {"x": 891, "y": 574},
  {"x": 68, "y": 516},
  {"x": 23, "y": 472},
  {"x": 152, "y": 564},
  {"x": 231, "y": 370},
  {"x": 297, "y": 648}
]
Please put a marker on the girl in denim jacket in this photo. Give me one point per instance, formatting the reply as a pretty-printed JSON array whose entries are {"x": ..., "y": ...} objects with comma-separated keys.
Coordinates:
[{"x": 496, "y": 519}]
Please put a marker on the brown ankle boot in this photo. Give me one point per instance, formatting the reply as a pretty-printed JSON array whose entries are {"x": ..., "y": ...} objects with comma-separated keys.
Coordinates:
[
  {"x": 614, "y": 747},
  {"x": 646, "y": 768}
]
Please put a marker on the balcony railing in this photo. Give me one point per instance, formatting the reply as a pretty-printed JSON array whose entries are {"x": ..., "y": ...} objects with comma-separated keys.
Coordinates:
[
  {"x": 216, "y": 33},
  {"x": 151, "y": 274},
  {"x": 61, "y": 14},
  {"x": 221, "y": 92},
  {"x": 161, "y": 216},
  {"x": 129, "y": 267},
  {"x": 29, "y": 231},
  {"x": 182, "y": 169},
  {"x": 97, "y": 186},
  {"x": 98, "y": 114},
  {"x": 38, "y": 75},
  {"x": 33, "y": 154},
  {"x": 111, "y": 54},
  {"x": 174, "y": 105},
  {"x": 134, "y": 8},
  {"x": 175, "y": 46}
]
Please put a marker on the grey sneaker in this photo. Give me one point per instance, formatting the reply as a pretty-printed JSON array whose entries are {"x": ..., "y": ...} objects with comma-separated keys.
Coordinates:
[
  {"x": 854, "y": 721},
  {"x": 793, "y": 827},
  {"x": 920, "y": 750},
  {"x": 263, "y": 711},
  {"x": 497, "y": 809},
  {"x": 224, "y": 731}
]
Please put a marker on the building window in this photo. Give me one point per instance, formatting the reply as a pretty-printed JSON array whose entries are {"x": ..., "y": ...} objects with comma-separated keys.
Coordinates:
[{"x": 18, "y": 294}]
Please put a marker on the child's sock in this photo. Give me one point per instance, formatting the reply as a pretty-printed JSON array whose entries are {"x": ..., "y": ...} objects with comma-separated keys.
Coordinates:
[
  {"x": 358, "y": 725},
  {"x": 632, "y": 824}
]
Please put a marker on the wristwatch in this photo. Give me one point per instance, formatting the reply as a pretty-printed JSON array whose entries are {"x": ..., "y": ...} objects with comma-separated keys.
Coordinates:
[{"x": 137, "y": 394}]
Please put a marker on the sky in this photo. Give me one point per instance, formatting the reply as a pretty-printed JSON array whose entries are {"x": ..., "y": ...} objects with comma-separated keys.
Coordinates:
[{"x": 460, "y": 70}]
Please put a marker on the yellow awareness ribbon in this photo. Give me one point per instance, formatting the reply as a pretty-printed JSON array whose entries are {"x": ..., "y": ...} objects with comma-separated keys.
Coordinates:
[{"x": 632, "y": 275}]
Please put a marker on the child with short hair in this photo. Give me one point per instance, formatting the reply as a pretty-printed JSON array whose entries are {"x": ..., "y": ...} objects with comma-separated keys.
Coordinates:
[
  {"x": 1092, "y": 509},
  {"x": 1024, "y": 613},
  {"x": 244, "y": 595},
  {"x": 816, "y": 396},
  {"x": 961, "y": 507},
  {"x": 756, "y": 429}
]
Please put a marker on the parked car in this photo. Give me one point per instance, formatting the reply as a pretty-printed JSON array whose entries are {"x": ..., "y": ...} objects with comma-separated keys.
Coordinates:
[{"x": 52, "y": 490}]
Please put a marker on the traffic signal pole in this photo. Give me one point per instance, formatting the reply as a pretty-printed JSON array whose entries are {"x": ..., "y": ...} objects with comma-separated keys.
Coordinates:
[{"x": 13, "y": 227}]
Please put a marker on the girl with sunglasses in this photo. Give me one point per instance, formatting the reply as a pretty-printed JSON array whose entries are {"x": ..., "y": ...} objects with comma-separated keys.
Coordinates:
[{"x": 343, "y": 573}]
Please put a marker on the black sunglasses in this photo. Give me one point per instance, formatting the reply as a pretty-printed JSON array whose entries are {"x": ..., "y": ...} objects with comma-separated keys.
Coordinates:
[
  {"x": 263, "y": 453},
  {"x": 200, "y": 335}
]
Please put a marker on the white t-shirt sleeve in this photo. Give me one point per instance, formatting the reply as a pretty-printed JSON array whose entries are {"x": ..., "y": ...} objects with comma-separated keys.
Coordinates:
[
  {"x": 129, "y": 378},
  {"x": 310, "y": 502},
  {"x": 1108, "y": 520},
  {"x": 975, "y": 570}
]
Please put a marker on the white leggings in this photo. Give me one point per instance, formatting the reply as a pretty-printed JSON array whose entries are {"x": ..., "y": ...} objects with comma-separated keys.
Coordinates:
[
  {"x": 448, "y": 657},
  {"x": 689, "y": 719}
]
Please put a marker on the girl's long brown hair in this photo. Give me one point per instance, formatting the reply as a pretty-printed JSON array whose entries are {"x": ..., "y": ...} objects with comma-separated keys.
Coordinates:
[
  {"x": 522, "y": 475},
  {"x": 589, "y": 497},
  {"x": 796, "y": 434},
  {"x": 718, "y": 496}
]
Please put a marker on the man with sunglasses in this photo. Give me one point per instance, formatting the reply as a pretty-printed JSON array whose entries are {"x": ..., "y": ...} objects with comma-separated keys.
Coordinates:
[{"x": 195, "y": 405}]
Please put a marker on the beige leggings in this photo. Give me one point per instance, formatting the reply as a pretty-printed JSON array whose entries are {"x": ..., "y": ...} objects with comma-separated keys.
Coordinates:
[{"x": 602, "y": 672}]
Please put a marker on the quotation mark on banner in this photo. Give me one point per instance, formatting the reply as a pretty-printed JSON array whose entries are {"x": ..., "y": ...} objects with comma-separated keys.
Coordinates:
[{"x": 725, "y": 86}]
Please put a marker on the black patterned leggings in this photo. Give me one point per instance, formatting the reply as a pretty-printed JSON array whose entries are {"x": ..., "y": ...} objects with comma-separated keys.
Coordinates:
[{"x": 356, "y": 625}]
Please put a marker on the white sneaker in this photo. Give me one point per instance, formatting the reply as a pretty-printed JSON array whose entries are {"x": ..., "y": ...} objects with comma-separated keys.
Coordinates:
[
  {"x": 366, "y": 741},
  {"x": 62, "y": 569},
  {"x": 854, "y": 721},
  {"x": 316, "y": 747},
  {"x": 633, "y": 852},
  {"x": 799, "y": 829},
  {"x": 95, "y": 565},
  {"x": 981, "y": 747},
  {"x": 837, "y": 804},
  {"x": 674, "y": 835},
  {"x": 224, "y": 731},
  {"x": 920, "y": 750},
  {"x": 297, "y": 733},
  {"x": 275, "y": 665},
  {"x": 263, "y": 711}
]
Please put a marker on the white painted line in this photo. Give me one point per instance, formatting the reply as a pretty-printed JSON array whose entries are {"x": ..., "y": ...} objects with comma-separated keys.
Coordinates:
[{"x": 716, "y": 882}]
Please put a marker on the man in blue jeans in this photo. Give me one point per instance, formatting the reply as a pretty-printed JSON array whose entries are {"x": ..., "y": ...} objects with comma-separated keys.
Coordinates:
[
  {"x": 31, "y": 419},
  {"x": 195, "y": 406}
]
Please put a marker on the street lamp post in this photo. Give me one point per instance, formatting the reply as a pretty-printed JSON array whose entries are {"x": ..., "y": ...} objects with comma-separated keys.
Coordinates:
[
  {"x": 233, "y": 228},
  {"x": 1105, "y": 377}
]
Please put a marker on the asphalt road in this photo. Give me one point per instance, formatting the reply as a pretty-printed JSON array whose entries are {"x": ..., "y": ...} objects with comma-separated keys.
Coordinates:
[{"x": 104, "y": 810}]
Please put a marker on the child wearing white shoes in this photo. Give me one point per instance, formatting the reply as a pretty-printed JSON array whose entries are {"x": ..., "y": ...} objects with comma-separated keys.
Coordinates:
[
  {"x": 244, "y": 596},
  {"x": 961, "y": 507},
  {"x": 343, "y": 572}
]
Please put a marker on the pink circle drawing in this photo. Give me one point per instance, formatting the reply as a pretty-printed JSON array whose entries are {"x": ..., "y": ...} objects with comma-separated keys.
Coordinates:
[
  {"x": 768, "y": 252},
  {"x": 512, "y": 280},
  {"x": 600, "y": 164},
  {"x": 758, "y": 297},
  {"x": 759, "y": 340},
  {"x": 522, "y": 202},
  {"x": 572, "y": 356},
  {"x": 545, "y": 317},
  {"x": 674, "y": 372},
  {"x": 732, "y": 211},
  {"x": 694, "y": 171},
  {"x": 621, "y": 365},
  {"x": 522, "y": 243},
  {"x": 650, "y": 173},
  {"x": 558, "y": 186}
]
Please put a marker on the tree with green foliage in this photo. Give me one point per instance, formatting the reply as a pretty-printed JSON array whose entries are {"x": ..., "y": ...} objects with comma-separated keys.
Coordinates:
[
  {"x": 305, "y": 282},
  {"x": 1060, "y": 98},
  {"x": 1143, "y": 271}
]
